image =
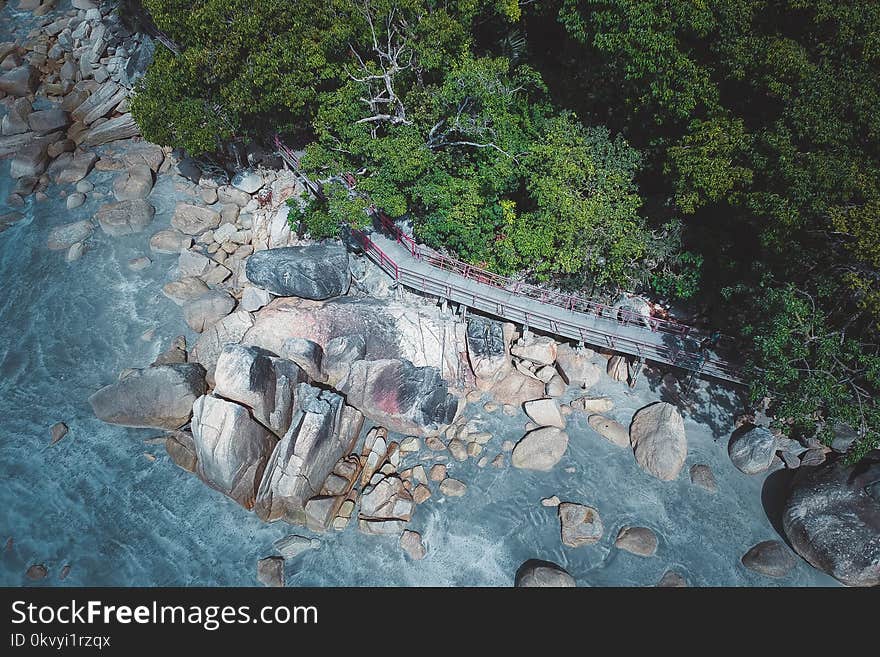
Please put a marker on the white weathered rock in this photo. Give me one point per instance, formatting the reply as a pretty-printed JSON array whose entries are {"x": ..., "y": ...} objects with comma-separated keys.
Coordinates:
[
  {"x": 537, "y": 349},
  {"x": 254, "y": 298},
  {"x": 231, "y": 447},
  {"x": 135, "y": 183},
  {"x": 556, "y": 387},
  {"x": 576, "y": 367},
  {"x": 248, "y": 181},
  {"x": 545, "y": 413},
  {"x": 323, "y": 430},
  {"x": 617, "y": 368},
  {"x": 540, "y": 449},
  {"x": 452, "y": 487},
  {"x": 210, "y": 343},
  {"x": 192, "y": 263},
  {"x": 120, "y": 127},
  {"x": 188, "y": 288},
  {"x": 658, "y": 440}
]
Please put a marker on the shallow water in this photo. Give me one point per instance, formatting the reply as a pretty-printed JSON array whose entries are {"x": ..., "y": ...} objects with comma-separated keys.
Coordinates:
[{"x": 95, "y": 502}]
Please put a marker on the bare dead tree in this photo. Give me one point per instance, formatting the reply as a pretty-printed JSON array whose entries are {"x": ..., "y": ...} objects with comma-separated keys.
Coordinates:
[{"x": 391, "y": 55}]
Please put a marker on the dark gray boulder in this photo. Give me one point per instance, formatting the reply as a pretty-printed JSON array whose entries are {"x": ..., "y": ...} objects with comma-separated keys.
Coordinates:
[
  {"x": 535, "y": 573},
  {"x": 159, "y": 397},
  {"x": 770, "y": 558},
  {"x": 753, "y": 450},
  {"x": 832, "y": 519},
  {"x": 318, "y": 271},
  {"x": 400, "y": 396}
]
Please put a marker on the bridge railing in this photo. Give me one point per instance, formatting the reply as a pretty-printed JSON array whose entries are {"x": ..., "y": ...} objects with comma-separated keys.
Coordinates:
[{"x": 573, "y": 303}]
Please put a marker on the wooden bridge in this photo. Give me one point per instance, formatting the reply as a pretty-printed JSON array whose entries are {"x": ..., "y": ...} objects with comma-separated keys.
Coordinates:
[{"x": 578, "y": 318}]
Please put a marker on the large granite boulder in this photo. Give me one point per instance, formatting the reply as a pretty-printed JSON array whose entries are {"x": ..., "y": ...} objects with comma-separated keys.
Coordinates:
[
  {"x": 832, "y": 519},
  {"x": 205, "y": 311},
  {"x": 318, "y": 271},
  {"x": 323, "y": 430},
  {"x": 576, "y": 366},
  {"x": 261, "y": 381},
  {"x": 658, "y": 440},
  {"x": 125, "y": 217},
  {"x": 194, "y": 219},
  {"x": 135, "y": 183},
  {"x": 210, "y": 343},
  {"x": 232, "y": 448},
  {"x": 419, "y": 334},
  {"x": 753, "y": 450},
  {"x": 400, "y": 396},
  {"x": 535, "y": 573},
  {"x": 159, "y": 397},
  {"x": 540, "y": 449}
]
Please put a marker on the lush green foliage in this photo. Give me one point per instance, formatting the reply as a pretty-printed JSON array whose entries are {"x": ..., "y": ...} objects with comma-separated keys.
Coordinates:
[
  {"x": 594, "y": 144},
  {"x": 815, "y": 375}
]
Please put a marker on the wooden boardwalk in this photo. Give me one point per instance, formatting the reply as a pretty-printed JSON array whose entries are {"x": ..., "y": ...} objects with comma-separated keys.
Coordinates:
[{"x": 576, "y": 318}]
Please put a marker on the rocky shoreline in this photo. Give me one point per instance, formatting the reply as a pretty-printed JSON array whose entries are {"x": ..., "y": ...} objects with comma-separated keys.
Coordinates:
[{"x": 316, "y": 392}]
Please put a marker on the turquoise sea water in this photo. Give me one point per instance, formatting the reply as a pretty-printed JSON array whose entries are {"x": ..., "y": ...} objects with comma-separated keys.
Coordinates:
[{"x": 95, "y": 502}]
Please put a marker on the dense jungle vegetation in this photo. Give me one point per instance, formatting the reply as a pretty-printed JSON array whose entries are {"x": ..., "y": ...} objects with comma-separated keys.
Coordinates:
[{"x": 722, "y": 151}]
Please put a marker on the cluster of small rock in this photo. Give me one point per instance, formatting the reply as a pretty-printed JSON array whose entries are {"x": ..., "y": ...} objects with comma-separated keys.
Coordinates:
[{"x": 83, "y": 62}]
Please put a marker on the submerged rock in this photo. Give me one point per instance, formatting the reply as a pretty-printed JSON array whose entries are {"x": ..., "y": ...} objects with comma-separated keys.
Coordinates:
[
  {"x": 317, "y": 272},
  {"x": 640, "y": 541},
  {"x": 159, "y": 397},
  {"x": 59, "y": 430},
  {"x": 579, "y": 524},
  {"x": 832, "y": 519},
  {"x": 658, "y": 440},
  {"x": 702, "y": 476},
  {"x": 770, "y": 558},
  {"x": 535, "y": 573},
  {"x": 63, "y": 237},
  {"x": 231, "y": 447},
  {"x": 752, "y": 451},
  {"x": 125, "y": 217},
  {"x": 411, "y": 542},
  {"x": 672, "y": 579},
  {"x": 270, "y": 571},
  {"x": 613, "y": 432},
  {"x": 292, "y": 546}
]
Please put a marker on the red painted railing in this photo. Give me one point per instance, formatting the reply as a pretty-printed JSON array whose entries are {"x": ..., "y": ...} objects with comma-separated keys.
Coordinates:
[{"x": 571, "y": 302}]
